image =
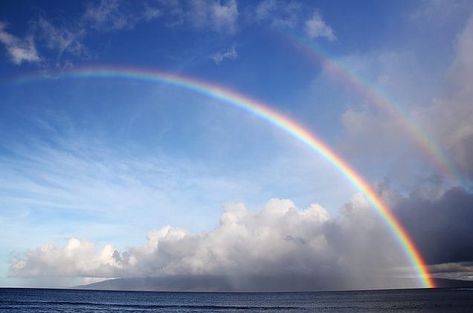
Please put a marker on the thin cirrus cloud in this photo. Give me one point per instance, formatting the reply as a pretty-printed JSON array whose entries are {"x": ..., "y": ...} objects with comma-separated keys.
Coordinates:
[{"x": 108, "y": 16}]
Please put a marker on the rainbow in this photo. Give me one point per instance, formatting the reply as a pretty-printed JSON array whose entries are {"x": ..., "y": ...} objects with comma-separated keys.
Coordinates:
[
  {"x": 275, "y": 118},
  {"x": 434, "y": 153}
]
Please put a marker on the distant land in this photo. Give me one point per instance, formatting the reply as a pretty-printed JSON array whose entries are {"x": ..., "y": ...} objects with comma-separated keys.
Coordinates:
[{"x": 215, "y": 283}]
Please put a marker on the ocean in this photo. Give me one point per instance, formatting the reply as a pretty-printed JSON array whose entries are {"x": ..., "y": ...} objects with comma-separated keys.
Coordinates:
[{"x": 71, "y": 301}]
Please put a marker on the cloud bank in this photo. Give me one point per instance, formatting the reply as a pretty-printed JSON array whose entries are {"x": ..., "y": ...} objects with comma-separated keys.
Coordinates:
[
  {"x": 278, "y": 243},
  {"x": 281, "y": 244}
]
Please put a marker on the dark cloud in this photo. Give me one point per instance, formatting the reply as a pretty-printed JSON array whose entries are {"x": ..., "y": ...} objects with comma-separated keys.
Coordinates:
[{"x": 441, "y": 227}]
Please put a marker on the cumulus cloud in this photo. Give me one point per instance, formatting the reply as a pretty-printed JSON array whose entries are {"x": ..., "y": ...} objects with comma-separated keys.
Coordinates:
[
  {"x": 76, "y": 258},
  {"x": 315, "y": 27},
  {"x": 228, "y": 54},
  {"x": 19, "y": 50},
  {"x": 278, "y": 243}
]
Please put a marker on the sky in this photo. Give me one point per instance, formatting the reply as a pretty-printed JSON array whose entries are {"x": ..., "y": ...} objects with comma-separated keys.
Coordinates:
[{"x": 116, "y": 176}]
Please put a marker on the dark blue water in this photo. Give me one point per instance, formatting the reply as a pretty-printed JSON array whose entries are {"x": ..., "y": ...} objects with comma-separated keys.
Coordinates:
[{"x": 421, "y": 300}]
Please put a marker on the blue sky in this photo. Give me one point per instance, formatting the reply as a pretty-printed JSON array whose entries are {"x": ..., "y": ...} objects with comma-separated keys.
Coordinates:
[{"x": 107, "y": 161}]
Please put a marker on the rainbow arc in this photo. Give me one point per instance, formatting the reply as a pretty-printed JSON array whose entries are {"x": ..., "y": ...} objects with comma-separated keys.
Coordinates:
[{"x": 270, "y": 115}]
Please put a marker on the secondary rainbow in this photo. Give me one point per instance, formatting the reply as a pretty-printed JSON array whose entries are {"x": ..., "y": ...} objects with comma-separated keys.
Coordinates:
[
  {"x": 275, "y": 118},
  {"x": 349, "y": 79}
]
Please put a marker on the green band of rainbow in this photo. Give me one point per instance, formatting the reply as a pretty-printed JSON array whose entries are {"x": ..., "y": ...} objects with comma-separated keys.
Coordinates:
[{"x": 275, "y": 118}]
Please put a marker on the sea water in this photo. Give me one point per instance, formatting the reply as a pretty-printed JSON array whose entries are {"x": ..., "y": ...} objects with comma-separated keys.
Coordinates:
[{"x": 71, "y": 301}]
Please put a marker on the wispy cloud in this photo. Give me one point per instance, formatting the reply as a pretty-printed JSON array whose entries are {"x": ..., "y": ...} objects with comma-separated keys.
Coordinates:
[
  {"x": 100, "y": 181},
  {"x": 67, "y": 39},
  {"x": 294, "y": 15},
  {"x": 115, "y": 15},
  {"x": 19, "y": 50},
  {"x": 218, "y": 16},
  {"x": 61, "y": 39},
  {"x": 279, "y": 13},
  {"x": 228, "y": 54},
  {"x": 106, "y": 15}
]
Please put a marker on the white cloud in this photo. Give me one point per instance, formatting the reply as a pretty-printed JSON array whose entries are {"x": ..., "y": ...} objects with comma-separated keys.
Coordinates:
[
  {"x": 315, "y": 27},
  {"x": 76, "y": 258},
  {"x": 279, "y": 14},
  {"x": 20, "y": 50},
  {"x": 229, "y": 54},
  {"x": 216, "y": 15},
  {"x": 264, "y": 9}
]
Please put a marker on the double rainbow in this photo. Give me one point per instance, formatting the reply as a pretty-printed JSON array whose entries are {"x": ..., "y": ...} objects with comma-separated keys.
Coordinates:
[
  {"x": 355, "y": 83},
  {"x": 266, "y": 113}
]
